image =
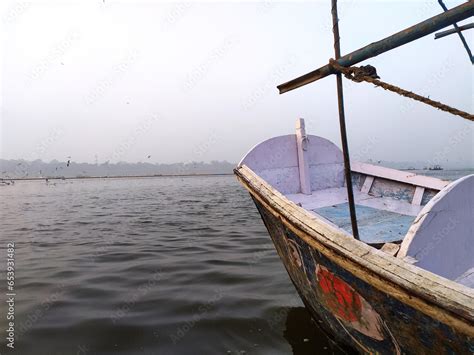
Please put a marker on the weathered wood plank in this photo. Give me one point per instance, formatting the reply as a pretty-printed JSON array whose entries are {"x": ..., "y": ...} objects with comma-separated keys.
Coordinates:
[
  {"x": 390, "y": 248},
  {"x": 397, "y": 175},
  {"x": 418, "y": 196},
  {"x": 367, "y": 184},
  {"x": 337, "y": 195},
  {"x": 303, "y": 158}
]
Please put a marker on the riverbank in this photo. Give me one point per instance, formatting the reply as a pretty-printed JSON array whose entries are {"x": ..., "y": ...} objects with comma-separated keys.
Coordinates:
[{"x": 109, "y": 177}]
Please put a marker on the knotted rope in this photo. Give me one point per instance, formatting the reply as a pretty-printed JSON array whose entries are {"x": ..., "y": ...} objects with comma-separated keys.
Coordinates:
[{"x": 369, "y": 74}]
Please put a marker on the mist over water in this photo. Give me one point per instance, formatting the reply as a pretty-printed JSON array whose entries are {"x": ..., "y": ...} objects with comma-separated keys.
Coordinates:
[{"x": 148, "y": 266}]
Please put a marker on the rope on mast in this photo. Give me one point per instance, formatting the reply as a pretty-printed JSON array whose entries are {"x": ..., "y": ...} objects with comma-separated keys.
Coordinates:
[{"x": 359, "y": 74}]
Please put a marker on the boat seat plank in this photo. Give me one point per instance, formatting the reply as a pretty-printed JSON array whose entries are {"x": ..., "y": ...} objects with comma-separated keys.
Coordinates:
[
  {"x": 367, "y": 184},
  {"x": 418, "y": 196},
  {"x": 375, "y": 226},
  {"x": 397, "y": 175},
  {"x": 337, "y": 195}
]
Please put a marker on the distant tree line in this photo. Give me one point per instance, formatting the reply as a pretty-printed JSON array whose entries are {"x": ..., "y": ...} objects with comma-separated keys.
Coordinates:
[{"x": 56, "y": 169}]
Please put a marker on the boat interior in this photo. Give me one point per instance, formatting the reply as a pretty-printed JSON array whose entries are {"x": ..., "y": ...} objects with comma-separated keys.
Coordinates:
[{"x": 423, "y": 220}]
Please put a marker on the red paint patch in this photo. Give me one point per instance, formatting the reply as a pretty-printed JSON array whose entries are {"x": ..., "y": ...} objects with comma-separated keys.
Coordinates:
[{"x": 339, "y": 296}]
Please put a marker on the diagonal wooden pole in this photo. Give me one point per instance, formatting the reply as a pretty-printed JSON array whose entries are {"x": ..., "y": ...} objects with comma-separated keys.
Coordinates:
[
  {"x": 461, "y": 36},
  {"x": 342, "y": 123}
]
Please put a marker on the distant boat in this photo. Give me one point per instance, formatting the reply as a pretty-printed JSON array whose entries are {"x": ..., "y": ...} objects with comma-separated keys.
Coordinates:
[
  {"x": 435, "y": 167},
  {"x": 406, "y": 285}
]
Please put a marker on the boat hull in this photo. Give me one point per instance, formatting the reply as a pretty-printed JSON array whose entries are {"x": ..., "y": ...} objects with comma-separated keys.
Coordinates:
[{"x": 356, "y": 312}]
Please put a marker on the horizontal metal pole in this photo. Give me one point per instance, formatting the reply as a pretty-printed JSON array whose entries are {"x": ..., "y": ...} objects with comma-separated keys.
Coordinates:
[
  {"x": 453, "y": 30},
  {"x": 398, "y": 39}
]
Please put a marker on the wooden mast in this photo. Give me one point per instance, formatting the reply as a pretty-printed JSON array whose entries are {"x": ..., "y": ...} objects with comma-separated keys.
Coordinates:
[{"x": 342, "y": 123}]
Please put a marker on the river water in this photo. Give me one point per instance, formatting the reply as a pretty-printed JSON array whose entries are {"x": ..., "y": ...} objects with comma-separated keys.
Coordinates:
[{"x": 166, "y": 265}]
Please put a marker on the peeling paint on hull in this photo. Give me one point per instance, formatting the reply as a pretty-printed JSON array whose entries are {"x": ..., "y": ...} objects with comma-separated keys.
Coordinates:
[{"x": 354, "y": 311}]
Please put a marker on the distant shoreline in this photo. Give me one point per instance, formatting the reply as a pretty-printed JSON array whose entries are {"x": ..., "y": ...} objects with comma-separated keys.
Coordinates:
[
  {"x": 418, "y": 171},
  {"x": 113, "y": 177}
]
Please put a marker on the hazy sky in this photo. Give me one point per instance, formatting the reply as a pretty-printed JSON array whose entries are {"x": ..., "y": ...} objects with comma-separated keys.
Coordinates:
[{"x": 122, "y": 80}]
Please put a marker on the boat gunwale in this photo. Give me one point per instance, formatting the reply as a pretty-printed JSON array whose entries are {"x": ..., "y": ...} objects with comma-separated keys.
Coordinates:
[{"x": 433, "y": 295}]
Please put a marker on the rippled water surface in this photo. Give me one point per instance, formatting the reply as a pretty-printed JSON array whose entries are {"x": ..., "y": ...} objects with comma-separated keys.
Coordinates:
[{"x": 148, "y": 266}]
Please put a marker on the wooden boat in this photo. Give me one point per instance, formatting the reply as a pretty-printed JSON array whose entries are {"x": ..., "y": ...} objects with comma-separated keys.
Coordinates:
[{"x": 406, "y": 285}]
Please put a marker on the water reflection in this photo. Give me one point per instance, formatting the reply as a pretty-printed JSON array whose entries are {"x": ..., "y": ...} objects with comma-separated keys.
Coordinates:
[{"x": 307, "y": 337}]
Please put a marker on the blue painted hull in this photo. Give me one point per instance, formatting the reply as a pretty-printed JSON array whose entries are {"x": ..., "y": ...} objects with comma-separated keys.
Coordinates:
[{"x": 354, "y": 311}]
